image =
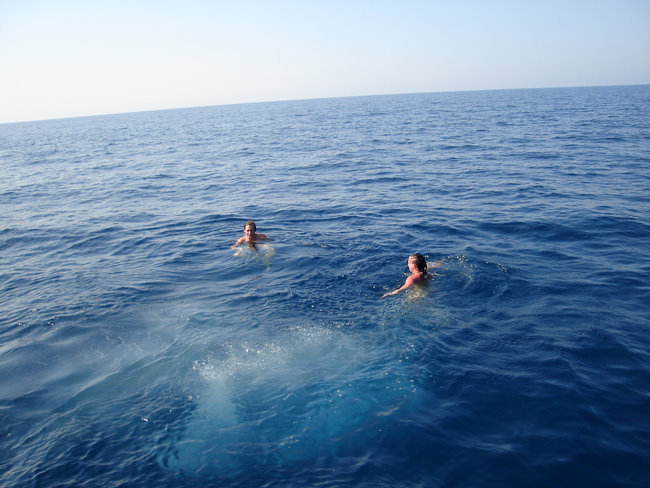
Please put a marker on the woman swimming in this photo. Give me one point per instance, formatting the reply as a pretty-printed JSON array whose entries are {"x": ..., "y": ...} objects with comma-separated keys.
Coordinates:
[{"x": 418, "y": 268}]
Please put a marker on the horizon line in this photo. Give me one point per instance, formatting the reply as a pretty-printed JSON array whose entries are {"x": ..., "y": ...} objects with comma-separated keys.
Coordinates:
[{"x": 109, "y": 114}]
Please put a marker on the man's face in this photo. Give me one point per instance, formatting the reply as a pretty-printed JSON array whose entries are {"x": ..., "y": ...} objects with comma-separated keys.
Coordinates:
[{"x": 249, "y": 230}]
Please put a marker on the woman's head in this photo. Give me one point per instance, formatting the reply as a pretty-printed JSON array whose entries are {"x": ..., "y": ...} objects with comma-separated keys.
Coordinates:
[{"x": 419, "y": 262}]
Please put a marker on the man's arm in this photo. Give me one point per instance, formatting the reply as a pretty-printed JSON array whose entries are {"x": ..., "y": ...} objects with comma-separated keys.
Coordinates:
[{"x": 238, "y": 242}]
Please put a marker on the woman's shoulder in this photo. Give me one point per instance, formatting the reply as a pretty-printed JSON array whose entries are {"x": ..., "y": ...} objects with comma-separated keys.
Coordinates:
[{"x": 416, "y": 277}]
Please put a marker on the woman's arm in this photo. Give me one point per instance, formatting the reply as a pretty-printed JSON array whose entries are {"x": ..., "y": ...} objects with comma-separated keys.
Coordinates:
[{"x": 409, "y": 281}]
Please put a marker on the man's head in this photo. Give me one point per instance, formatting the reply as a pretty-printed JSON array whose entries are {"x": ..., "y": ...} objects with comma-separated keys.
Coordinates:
[{"x": 250, "y": 228}]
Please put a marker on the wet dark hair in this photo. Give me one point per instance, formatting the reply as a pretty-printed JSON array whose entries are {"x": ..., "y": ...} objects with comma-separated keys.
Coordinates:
[
  {"x": 250, "y": 222},
  {"x": 420, "y": 262}
]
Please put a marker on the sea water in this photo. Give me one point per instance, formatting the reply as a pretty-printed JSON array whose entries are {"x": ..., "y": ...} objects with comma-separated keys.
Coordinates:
[{"x": 138, "y": 349}]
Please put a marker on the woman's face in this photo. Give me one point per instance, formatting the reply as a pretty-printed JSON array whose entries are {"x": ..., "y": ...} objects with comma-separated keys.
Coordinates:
[{"x": 413, "y": 268}]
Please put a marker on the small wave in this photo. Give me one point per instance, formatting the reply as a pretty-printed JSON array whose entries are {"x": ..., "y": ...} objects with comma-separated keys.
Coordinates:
[{"x": 548, "y": 231}]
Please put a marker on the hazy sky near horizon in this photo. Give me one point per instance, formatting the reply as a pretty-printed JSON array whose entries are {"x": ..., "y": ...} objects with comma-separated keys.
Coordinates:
[{"x": 69, "y": 58}]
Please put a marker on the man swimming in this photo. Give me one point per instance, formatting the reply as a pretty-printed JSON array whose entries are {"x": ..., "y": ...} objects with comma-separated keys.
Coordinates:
[
  {"x": 250, "y": 235},
  {"x": 418, "y": 268}
]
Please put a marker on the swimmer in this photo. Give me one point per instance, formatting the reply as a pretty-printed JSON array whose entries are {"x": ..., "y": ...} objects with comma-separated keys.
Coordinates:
[
  {"x": 418, "y": 268},
  {"x": 250, "y": 235}
]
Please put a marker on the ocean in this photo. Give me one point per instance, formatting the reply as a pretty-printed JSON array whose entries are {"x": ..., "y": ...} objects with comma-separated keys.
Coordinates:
[{"x": 137, "y": 348}]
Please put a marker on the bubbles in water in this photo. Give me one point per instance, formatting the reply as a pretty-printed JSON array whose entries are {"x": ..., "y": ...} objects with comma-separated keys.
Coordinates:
[{"x": 309, "y": 393}]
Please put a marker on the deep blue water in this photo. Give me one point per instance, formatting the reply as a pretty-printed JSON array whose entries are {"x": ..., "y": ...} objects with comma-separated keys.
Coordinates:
[{"x": 137, "y": 350}]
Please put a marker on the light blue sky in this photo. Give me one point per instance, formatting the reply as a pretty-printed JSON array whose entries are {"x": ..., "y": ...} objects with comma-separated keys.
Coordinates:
[{"x": 64, "y": 58}]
